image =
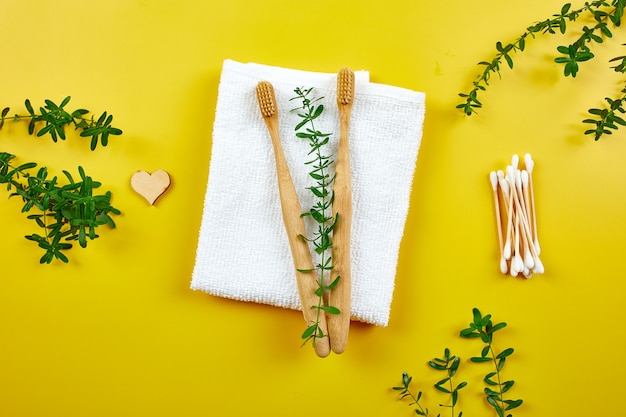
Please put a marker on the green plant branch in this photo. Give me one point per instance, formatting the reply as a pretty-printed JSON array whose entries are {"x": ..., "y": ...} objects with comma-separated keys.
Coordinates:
[
  {"x": 450, "y": 365},
  {"x": 321, "y": 240},
  {"x": 56, "y": 118},
  {"x": 405, "y": 391},
  {"x": 70, "y": 212},
  {"x": 73, "y": 208},
  {"x": 603, "y": 13},
  {"x": 483, "y": 328}
]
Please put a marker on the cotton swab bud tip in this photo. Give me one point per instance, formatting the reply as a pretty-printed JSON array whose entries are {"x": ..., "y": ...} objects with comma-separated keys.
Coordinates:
[
  {"x": 504, "y": 267},
  {"x": 494, "y": 179},
  {"x": 528, "y": 259},
  {"x": 538, "y": 266},
  {"x": 528, "y": 160},
  {"x": 515, "y": 161},
  {"x": 506, "y": 252},
  {"x": 524, "y": 177},
  {"x": 504, "y": 186},
  {"x": 510, "y": 173}
]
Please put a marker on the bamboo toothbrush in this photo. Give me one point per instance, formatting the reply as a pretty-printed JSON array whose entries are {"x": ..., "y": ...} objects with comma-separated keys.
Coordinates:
[
  {"x": 339, "y": 324},
  {"x": 306, "y": 276}
]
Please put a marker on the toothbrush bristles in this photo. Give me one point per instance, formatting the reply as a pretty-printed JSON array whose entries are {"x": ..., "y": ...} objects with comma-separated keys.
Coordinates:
[
  {"x": 345, "y": 86},
  {"x": 267, "y": 99}
]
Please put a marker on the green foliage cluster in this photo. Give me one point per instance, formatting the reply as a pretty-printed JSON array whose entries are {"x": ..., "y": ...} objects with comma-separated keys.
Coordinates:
[
  {"x": 449, "y": 364},
  {"x": 55, "y": 118},
  {"x": 65, "y": 213},
  {"x": 320, "y": 166},
  {"x": 606, "y": 15},
  {"x": 481, "y": 327}
]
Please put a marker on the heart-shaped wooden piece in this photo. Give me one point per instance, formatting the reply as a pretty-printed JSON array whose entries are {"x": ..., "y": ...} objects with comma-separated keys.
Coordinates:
[{"x": 150, "y": 186}]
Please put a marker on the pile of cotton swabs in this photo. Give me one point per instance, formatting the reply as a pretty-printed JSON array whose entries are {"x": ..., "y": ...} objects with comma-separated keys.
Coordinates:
[{"x": 519, "y": 246}]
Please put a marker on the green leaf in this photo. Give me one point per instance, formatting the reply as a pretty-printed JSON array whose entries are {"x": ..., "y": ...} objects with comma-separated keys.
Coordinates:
[
  {"x": 497, "y": 327},
  {"x": 505, "y": 353},
  {"x": 488, "y": 379},
  {"x": 309, "y": 331},
  {"x": 454, "y": 367},
  {"x": 485, "y": 351},
  {"x": 65, "y": 101},
  {"x": 330, "y": 309},
  {"x": 29, "y": 107},
  {"x": 436, "y": 366},
  {"x": 442, "y": 389},
  {"x": 507, "y": 386},
  {"x": 318, "y": 111},
  {"x": 477, "y": 317},
  {"x": 511, "y": 404}
]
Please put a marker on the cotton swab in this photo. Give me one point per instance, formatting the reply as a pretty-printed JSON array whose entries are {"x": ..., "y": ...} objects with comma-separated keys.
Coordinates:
[
  {"x": 494, "y": 185},
  {"x": 530, "y": 164},
  {"x": 519, "y": 254}
]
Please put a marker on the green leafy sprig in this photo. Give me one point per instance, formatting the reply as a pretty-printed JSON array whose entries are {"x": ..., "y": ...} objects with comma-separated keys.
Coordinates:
[
  {"x": 605, "y": 15},
  {"x": 66, "y": 213},
  {"x": 321, "y": 212},
  {"x": 483, "y": 328},
  {"x": 405, "y": 391},
  {"x": 450, "y": 365},
  {"x": 55, "y": 118}
]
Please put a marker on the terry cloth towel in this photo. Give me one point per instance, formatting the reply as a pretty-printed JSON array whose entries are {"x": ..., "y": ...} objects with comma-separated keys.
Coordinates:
[{"x": 242, "y": 251}]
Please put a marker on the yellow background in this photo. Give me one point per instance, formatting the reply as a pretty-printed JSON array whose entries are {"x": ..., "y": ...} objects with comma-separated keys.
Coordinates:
[{"x": 118, "y": 332}]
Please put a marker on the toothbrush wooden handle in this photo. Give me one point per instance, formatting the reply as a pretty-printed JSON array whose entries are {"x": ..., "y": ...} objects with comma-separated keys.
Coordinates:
[
  {"x": 340, "y": 296},
  {"x": 294, "y": 226}
]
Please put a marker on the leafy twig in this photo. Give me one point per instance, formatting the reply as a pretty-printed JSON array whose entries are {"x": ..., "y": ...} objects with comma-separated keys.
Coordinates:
[
  {"x": 449, "y": 364},
  {"x": 321, "y": 211},
  {"x": 55, "y": 118},
  {"x": 66, "y": 213},
  {"x": 405, "y": 391},
  {"x": 483, "y": 328},
  {"x": 608, "y": 119},
  {"x": 603, "y": 13}
]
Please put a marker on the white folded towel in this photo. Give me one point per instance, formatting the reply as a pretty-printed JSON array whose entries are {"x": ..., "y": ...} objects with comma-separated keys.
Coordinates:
[{"x": 243, "y": 252}]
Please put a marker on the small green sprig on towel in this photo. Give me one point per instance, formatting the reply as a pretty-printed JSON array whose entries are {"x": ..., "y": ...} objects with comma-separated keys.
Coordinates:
[
  {"x": 605, "y": 14},
  {"x": 55, "y": 118},
  {"x": 321, "y": 212},
  {"x": 481, "y": 327}
]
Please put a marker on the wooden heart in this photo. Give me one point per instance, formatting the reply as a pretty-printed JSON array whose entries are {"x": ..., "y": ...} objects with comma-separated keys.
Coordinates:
[{"x": 150, "y": 186}]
